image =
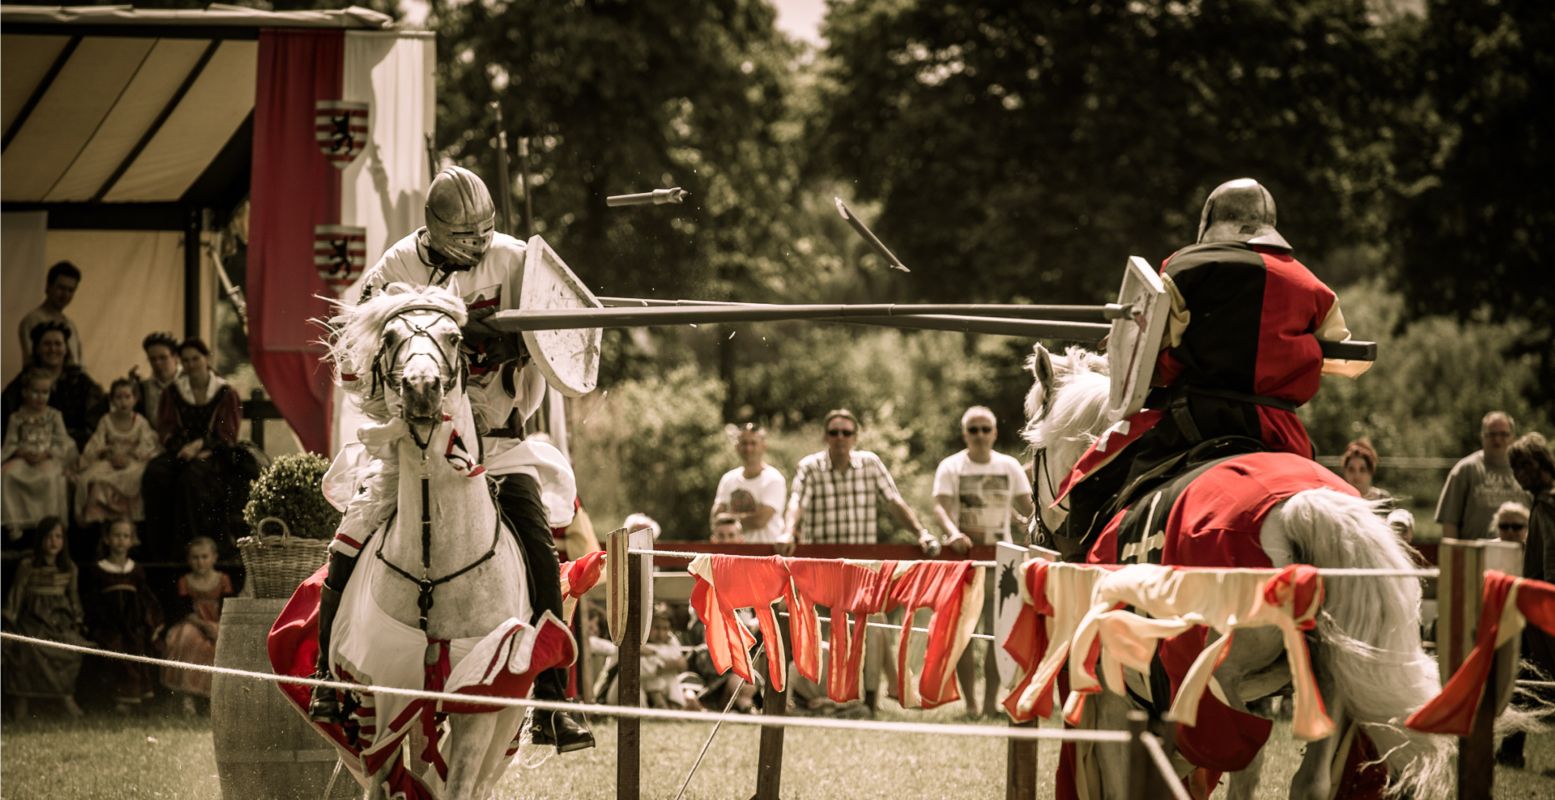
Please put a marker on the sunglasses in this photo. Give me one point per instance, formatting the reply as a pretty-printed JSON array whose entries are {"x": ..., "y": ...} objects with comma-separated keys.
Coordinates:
[
  {"x": 1512, "y": 526},
  {"x": 980, "y": 429},
  {"x": 842, "y": 432}
]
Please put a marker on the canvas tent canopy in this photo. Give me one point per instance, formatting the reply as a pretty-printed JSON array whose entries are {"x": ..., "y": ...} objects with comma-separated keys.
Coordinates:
[{"x": 125, "y": 129}]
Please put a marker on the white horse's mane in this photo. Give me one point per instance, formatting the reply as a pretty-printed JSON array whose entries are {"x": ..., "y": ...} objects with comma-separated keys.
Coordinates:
[
  {"x": 356, "y": 334},
  {"x": 1076, "y": 409}
]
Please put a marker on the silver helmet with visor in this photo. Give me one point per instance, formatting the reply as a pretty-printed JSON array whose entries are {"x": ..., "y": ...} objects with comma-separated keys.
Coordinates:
[{"x": 461, "y": 219}]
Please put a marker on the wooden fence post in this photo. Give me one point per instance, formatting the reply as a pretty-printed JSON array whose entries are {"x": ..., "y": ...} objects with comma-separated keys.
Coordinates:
[
  {"x": 629, "y": 729},
  {"x": 1138, "y": 758},
  {"x": 1020, "y": 770},
  {"x": 769, "y": 764},
  {"x": 1459, "y": 590}
]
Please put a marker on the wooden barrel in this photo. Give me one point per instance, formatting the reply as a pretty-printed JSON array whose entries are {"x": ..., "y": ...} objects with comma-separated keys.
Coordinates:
[{"x": 264, "y": 749}]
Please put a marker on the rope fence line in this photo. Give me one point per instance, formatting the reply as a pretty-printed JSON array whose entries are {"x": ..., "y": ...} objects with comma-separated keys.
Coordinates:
[
  {"x": 1327, "y": 572},
  {"x": 982, "y": 637},
  {"x": 756, "y": 720}
]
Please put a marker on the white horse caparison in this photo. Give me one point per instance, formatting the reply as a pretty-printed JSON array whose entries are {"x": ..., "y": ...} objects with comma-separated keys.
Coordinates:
[
  {"x": 411, "y": 339},
  {"x": 1370, "y": 664}
]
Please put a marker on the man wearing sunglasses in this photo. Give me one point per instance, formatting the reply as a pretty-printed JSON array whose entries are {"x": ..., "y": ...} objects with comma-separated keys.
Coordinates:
[
  {"x": 975, "y": 492},
  {"x": 834, "y": 492}
]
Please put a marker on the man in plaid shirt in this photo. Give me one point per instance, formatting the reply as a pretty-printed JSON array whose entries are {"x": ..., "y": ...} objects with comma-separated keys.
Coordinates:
[{"x": 834, "y": 492}]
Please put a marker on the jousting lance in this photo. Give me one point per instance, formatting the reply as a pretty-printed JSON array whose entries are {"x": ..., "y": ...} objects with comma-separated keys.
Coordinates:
[
  {"x": 869, "y": 236},
  {"x": 657, "y": 197}
]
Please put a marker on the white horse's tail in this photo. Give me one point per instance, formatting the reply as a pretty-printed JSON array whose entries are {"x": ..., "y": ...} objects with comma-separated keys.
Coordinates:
[{"x": 1370, "y": 633}]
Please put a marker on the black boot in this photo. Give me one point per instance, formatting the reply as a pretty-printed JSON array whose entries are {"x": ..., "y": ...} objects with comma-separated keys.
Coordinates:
[
  {"x": 564, "y": 730},
  {"x": 325, "y": 704},
  {"x": 560, "y": 729}
]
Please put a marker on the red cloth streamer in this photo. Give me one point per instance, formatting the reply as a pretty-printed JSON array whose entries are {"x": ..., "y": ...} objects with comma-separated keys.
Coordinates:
[
  {"x": 843, "y": 588},
  {"x": 743, "y": 582},
  {"x": 1452, "y": 711},
  {"x": 941, "y": 586}
]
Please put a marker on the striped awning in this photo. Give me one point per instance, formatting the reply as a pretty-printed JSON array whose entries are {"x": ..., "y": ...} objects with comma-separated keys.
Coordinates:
[{"x": 142, "y": 111}]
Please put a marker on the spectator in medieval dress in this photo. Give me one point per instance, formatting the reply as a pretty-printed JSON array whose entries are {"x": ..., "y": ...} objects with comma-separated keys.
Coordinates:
[
  {"x": 191, "y": 638},
  {"x": 162, "y": 354},
  {"x": 1534, "y": 467},
  {"x": 115, "y": 458},
  {"x": 58, "y": 291},
  {"x": 201, "y": 480},
  {"x": 37, "y": 453},
  {"x": 122, "y": 613},
  {"x": 1480, "y": 482},
  {"x": 1358, "y": 465},
  {"x": 44, "y": 603},
  {"x": 753, "y": 493},
  {"x": 977, "y": 493},
  {"x": 80, "y": 399}
]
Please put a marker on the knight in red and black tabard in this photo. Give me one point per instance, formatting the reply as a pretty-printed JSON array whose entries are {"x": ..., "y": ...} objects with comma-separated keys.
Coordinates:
[{"x": 1239, "y": 355}]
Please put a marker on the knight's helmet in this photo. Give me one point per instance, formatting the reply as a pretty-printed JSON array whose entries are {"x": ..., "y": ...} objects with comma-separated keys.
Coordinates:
[
  {"x": 1240, "y": 211},
  {"x": 460, "y": 216}
]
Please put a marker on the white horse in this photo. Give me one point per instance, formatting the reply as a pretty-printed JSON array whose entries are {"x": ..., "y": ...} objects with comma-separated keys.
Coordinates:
[
  {"x": 444, "y": 569},
  {"x": 1371, "y": 667}
]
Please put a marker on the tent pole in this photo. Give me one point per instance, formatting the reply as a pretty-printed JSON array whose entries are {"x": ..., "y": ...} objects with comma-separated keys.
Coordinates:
[{"x": 192, "y": 225}]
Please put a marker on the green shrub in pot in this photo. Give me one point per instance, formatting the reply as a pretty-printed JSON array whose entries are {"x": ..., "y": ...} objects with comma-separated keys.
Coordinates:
[{"x": 290, "y": 490}]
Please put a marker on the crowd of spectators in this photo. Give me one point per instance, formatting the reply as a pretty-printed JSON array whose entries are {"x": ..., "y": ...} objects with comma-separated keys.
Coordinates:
[{"x": 94, "y": 486}]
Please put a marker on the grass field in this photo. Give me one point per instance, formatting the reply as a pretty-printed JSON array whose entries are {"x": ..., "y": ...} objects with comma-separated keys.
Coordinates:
[{"x": 171, "y": 757}]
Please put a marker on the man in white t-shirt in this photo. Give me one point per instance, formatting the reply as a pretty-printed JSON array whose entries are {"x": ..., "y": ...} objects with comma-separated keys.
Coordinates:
[
  {"x": 753, "y": 494},
  {"x": 975, "y": 491}
]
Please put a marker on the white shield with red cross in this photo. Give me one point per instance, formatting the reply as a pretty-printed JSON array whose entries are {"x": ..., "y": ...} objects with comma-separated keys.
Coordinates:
[{"x": 340, "y": 126}]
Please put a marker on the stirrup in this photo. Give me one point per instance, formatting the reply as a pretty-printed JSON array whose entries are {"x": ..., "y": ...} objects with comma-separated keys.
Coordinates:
[{"x": 324, "y": 704}]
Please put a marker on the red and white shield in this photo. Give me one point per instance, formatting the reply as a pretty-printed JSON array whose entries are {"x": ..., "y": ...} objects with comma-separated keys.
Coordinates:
[
  {"x": 340, "y": 254},
  {"x": 340, "y": 127}
]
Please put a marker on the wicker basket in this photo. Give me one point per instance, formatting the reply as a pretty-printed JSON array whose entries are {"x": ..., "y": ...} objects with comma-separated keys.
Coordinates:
[{"x": 276, "y": 565}]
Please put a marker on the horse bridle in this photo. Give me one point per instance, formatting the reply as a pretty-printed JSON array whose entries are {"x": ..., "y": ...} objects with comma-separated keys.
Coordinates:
[
  {"x": 452, "y": 364},
  {"x": 426, "y": 583},
  {"x": 1040, "y": 533}
]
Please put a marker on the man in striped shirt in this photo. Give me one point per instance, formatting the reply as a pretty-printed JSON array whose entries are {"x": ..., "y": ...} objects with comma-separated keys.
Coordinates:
[{"x": 834, "y": 492}]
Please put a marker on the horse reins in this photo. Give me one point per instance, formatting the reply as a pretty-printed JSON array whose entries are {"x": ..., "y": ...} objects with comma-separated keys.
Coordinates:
[{"x": 426, "y": 583}]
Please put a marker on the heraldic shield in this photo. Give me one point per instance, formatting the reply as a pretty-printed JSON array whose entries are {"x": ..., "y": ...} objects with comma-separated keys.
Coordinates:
[
  {"x": 1135, "y": 341},
  {"x": 568, "y": 358},
  {"x": 340, "y": 126},
  {"x": 339, "y": 254}
]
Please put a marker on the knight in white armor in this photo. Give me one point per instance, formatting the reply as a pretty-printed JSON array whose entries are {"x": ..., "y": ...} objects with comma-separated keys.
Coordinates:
[{"x": 459, "y": 249}]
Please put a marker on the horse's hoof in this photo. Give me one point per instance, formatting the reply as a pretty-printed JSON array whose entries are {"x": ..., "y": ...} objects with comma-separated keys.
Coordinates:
[{"x": 560, "y": 730}]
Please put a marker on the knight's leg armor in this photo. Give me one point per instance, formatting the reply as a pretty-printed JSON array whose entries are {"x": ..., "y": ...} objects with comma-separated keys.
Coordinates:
[
  {"x": 324, "y": 706},
  {"x": 519, "y": 496}
]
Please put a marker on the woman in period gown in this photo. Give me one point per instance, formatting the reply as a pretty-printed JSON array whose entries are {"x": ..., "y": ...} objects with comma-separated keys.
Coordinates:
[
  {"x": 43, "y": 603},
  {"x": 114, "y": 460},
  {"x": 37, "y": 451},
  {"x": 198, "y": 486}
]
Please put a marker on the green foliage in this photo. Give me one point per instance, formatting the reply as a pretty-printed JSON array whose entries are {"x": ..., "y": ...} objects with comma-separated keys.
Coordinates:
[
  {"x": 1030, "y": 148},
  {"x": 620, "y": 97},
  {"x": 654, "y": 445},
  {"x": 290, "y": 490},
  {"x": 1434, "y": 379}
]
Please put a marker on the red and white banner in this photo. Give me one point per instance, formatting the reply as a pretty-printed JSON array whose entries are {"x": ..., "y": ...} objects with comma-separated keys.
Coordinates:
[{"x": 339, "y": 172}]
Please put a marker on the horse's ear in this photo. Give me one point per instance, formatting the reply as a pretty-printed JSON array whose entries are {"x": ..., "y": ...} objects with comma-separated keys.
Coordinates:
[{"x": 1041, "y": 365}]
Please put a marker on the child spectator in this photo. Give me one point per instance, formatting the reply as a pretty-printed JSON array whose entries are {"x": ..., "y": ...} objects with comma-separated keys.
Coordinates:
[
  {"x": 43, "y": 603},
  {"x": 122, "y": 613},
  {"x": 37, "y": 450},
  {"x": 192, "y": 639},
  {"x": 108, "y": 484}
]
